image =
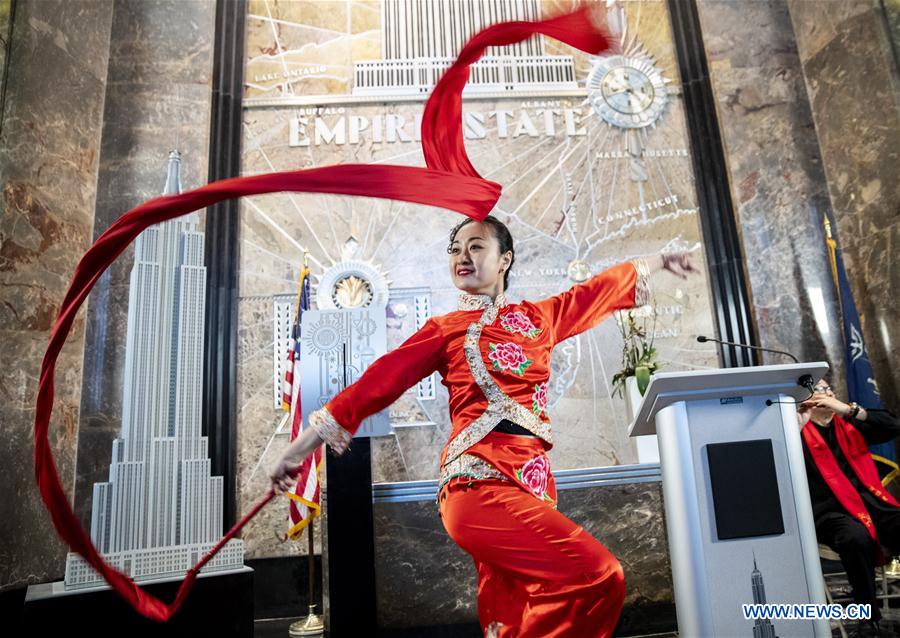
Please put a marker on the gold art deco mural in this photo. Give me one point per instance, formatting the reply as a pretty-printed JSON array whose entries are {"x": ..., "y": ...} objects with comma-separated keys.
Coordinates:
[{"x": 593, "y": 157}]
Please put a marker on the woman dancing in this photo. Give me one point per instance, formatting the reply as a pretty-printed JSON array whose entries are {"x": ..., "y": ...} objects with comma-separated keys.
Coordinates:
[{"x": 539, "y": 573}]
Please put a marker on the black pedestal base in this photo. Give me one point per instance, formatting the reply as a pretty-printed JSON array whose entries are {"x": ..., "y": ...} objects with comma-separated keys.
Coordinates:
[{"x": 218, "y": 605}]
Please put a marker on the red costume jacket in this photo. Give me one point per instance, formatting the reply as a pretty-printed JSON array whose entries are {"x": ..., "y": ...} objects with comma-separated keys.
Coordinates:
[{"x": 494, "y": 358}]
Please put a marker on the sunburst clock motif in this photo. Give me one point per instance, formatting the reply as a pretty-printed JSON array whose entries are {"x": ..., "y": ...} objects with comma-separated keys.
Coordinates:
[
  {"x": 352, "y": 284},
  {"x": 628, "y": 91}
]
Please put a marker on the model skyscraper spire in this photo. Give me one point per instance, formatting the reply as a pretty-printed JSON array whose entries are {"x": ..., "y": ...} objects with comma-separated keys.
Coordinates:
[{"x": 762, "y": 627}]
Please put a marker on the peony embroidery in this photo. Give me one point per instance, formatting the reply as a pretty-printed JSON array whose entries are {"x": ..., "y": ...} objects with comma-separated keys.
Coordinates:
[
  {"x": 535, "y": 475},
  {"x": 518, "y": 323},
  {"x": 539, "y": 398},
  {"x": 509, "y": 356}
]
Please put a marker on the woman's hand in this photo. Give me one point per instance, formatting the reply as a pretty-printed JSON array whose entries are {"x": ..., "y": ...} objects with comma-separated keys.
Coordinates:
[
  {"x": 679, "y": 264},
  {"x": 828, "y": 403},
  {"x": 284, "y": 474}
]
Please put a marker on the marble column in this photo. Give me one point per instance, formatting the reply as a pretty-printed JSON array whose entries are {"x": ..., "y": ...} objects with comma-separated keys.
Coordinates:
[
  {"x": 848, "y": 55},
  {"x": 777, "y": 182},
  {"x": 49, "y": 152},
  {"x": 158, "y": 94},
  {"x": 891, "y": 11},
  {"x": 5, "y": 24}
]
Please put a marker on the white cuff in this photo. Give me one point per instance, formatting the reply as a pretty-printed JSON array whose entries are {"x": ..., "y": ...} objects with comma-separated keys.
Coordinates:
[
  {"x": 642, "y": 293},
  {"x": 330, "y": 431}
]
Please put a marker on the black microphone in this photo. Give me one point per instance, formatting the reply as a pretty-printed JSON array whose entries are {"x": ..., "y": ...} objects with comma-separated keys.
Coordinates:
[
  {"x": 806, "y": 381},
  {"x": 703, "y": 339}
]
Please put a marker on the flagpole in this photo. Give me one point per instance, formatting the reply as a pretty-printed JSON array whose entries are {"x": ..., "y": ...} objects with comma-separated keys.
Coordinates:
[
  {"x": 312, "y": 625},
  {"x": 832, "y": 259}
]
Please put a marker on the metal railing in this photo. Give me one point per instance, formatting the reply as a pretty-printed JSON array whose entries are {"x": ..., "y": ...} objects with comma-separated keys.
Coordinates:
[{"x": 488, "y": 75}]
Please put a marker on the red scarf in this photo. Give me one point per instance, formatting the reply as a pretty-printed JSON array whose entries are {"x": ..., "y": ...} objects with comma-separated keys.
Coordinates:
[
  {"x": 450, "y": 181},
  {"x": 855, "y": 450}
]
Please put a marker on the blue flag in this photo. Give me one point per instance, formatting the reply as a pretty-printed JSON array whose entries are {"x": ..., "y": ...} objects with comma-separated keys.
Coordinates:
[{"x": 861, "y": 384}]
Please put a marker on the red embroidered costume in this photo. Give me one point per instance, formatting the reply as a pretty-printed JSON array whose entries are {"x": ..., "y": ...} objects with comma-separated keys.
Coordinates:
[{"x": 539, "y": 573}]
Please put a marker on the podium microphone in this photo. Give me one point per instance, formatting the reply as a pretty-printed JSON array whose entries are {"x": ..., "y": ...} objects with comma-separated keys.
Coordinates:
[
  {"x": 806, "y": 381},
  {"x": 702, "y": 339}
]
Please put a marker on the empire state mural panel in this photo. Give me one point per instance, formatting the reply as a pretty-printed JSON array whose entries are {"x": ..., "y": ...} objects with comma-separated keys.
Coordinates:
[{"x": 595, "y": 169}]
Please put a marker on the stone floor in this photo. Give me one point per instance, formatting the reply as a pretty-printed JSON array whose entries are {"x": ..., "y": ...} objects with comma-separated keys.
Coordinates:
[
  {"x": 890, "y": 628},
  {"x": 840, "y": 590},
  {"x": 279, "y": 629}
]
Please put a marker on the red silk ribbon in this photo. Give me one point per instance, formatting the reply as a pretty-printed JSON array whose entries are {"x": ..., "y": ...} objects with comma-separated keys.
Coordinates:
[
  {"x": 442, "y": 133},
  {"x": 449, "y": 182}
]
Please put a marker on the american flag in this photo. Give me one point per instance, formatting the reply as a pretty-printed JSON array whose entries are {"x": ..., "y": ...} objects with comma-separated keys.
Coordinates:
[{"x": 305, "y": 498}]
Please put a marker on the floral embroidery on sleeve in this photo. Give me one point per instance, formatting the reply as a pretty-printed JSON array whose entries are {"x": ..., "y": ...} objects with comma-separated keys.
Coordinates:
[
  {"x": 518, "y": 322},
  {"x": 509, "y": 356},
  {"x": 535, "y": 475},
  {"x": 539, "y": 398}
]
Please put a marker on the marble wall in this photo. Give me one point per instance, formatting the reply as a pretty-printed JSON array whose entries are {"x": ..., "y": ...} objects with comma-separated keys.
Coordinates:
[
  {"x": 49, "y": 154},
  {"x": 5, "y": 33},
  {"x": 158, "y": 96},
  {"x": 891, "y": 10},
  {"x": 848, "y": 54},
  {"x": 776, "y": 176},
  {"x": 809, "y": 109}
]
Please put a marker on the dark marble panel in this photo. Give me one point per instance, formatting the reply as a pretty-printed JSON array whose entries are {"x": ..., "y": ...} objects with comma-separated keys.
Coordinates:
[
  {"x": 629, "y": 520},
  {"x": 5, "y": 20},
  {"x": 850, "y": 66},
  {"x": 162, "y": 40},
  {"x": 891, "y": 9},
  {"x": 776, "y": 176},
  {"x": 48, "y": 166},
  {"x": 422, "y": 575}
]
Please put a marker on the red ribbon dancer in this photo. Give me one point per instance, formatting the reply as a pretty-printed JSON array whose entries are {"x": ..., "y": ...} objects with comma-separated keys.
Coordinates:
[{"x": 449, "y": 181}]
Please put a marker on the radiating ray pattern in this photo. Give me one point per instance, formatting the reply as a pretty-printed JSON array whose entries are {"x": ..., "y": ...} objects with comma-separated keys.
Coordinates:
[{"x": 570, "y": 195}]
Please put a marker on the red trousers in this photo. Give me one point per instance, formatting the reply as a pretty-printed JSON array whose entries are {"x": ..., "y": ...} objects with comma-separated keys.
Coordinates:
[{"x": 539, "y": 574}]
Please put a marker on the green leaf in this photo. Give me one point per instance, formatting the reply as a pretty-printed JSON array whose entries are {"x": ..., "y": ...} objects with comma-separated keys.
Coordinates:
[{"x": 642, "y": 374}]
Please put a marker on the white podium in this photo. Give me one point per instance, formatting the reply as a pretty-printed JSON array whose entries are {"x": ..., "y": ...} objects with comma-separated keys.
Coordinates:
[{"x": 737, "y": 505}]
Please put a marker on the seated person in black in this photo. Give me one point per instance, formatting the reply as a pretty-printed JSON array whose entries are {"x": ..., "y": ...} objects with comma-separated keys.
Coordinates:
[{"x": 876, "y": 513}]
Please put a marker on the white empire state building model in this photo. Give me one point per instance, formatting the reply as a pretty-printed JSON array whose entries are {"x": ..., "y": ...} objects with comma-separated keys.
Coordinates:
[
  {"x": 161, "y": 511},
  {"x": 421, "y": 39}
]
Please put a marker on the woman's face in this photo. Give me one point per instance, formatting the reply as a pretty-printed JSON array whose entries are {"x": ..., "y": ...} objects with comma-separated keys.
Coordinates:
[
  {"x": 822, "y": 390},
  {"x": 476, "y": 265}
]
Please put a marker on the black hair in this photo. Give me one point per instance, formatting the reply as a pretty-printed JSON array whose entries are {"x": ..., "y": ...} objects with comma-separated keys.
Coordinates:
[{"x": 504, "y": 238}]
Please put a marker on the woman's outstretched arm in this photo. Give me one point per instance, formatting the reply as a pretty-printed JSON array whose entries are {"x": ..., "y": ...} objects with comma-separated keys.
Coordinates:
[
  {"x": 380, "y": 385},
  {"x": 627, "y": 285}
]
